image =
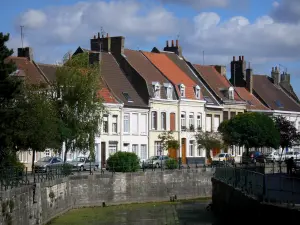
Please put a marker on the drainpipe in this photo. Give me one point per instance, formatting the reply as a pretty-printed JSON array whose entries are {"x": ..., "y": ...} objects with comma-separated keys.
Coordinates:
[
  {"x": 179, "y": 129},
  {"x": 121, "y": 125},
  {"x": 149, "y": 131}
]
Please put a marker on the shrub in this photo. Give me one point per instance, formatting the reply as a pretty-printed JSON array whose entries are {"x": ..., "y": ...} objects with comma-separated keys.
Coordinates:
[
  {"x": 171, "y": 164},
  {"x": 123, "y": 162}
]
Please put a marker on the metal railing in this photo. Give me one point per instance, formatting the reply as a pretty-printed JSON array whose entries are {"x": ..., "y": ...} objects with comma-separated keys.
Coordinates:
[{"x": 268, "y": 187}]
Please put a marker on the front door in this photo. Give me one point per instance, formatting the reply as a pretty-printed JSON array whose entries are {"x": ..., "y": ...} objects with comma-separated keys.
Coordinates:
[
  {"x": 172, "y": 153},
  {"x": 103, "y": 154},
  {"x": 183, "y": 149}
]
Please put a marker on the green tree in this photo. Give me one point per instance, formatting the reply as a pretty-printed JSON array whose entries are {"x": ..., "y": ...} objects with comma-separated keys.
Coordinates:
[
  {"x": 209, "y": 141},
  {"x": 79, "y": 106},
  {"x": 10, "y": 91},
  {"x": 252, "y": 130},
  {"x": 37, "y": 126},
  {"x": 168, "y": 141},
  {"x": 289, "y": 136}
]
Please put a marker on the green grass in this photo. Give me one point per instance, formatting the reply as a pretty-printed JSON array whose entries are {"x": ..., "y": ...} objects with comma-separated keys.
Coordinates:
[{"x": 162, "y": 211}]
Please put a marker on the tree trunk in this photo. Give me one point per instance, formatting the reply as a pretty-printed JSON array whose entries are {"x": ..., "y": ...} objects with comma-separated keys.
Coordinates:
[
  {"x": 280, "y": 160},
  {"x": 33, "y": 159},
  {"x": 67, "y": 148},
  {"x": 92, "y": 146}
]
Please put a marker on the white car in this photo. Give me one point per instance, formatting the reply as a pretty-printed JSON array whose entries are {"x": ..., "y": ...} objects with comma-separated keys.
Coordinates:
[
  {"x": 288, "y": 155},
  {"x": 273, "y": 156},
  {"x": 223, "y": 157}
]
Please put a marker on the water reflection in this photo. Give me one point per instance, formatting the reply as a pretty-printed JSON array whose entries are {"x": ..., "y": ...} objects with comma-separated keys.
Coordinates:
[{"x": 183, "y": 213}]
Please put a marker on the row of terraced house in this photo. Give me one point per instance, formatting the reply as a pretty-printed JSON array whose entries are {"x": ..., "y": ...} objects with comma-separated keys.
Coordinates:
[{"x": 147, "y": 93}]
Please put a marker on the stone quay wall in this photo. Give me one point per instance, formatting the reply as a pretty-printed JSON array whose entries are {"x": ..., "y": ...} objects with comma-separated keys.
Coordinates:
[{"x": 41, "y": 202}]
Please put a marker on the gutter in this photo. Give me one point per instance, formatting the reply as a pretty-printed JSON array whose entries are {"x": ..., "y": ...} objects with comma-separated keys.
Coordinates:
[{"x": 276, "y": 111}]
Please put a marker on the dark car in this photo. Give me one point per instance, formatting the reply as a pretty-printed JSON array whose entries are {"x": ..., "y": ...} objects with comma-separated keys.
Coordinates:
[{"x": 253, "y": 157}]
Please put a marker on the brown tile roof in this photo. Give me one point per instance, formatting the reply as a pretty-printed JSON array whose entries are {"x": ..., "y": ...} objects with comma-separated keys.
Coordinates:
[
  {"x": 147, "y": 70},
  {"x": 118, "y": 82},
  {"x": 272, "y": 95},
  {"x": 107, "y": 96},
  {"x": 181, "y": 63},
  {"x": 173, "y": 73},
  {"x": 49, "y": 71},
  {"x": 31, "y": 72},
  {"x": 252, "y": 102},
  {"x": 217, "y": 82},
  {"x": 289, "y": 90}
]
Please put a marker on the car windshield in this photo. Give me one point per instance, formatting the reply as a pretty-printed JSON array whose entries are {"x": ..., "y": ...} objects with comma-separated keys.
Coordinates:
[
  {"x": 221, "y": 155},
  {"x": 289, "y": 153},
  {"x": 154, "y": 158},
  {"x": 79, "y": 159},
  {"x": 45, "y": 159}
]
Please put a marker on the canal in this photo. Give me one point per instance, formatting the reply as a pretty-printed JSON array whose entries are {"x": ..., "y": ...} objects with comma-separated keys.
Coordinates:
[{"x": 192, "y": 212}]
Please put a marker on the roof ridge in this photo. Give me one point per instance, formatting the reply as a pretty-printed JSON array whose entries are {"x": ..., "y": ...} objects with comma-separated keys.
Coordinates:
[{"x": 42, "y": 73}]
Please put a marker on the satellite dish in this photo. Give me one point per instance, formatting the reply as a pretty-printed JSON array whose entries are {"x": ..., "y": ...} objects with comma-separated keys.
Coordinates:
[{"x": 67, "y": 56}]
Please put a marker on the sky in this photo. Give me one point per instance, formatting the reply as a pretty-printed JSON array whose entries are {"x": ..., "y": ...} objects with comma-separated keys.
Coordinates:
[{"x": 265, "y": 32}]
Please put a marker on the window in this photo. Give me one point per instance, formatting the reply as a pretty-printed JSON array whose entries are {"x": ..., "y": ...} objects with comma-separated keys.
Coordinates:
[
  {"x": 126, "y": 147},
  {"x": 135, "y": 149},
  {"x": 47, "y": 152},
  {"x": 163, "y": 121},
  {"x": 225, "y": 115},
  {"x": 105, "y": 124},
  {"x": 112, "y": 147},
  {"x": 232, "y": 114},
  {"x": 191, "y": 122},
  {"x": 156, "y": 89},
  {"x": 279, "y": 104},
  {"x": 182, "y": 90},
  {"x": 143, "y": 124},
  {"x": 154, "y": 120},
  {"x": 168, "y": 90},
  {"x": 158, "y": 148},
  {"x": 299, "y": 126},
  {"x": 134, "y": 123},
  {"x": 216, "y": 122},
  {"x": 172, "y": 121},
  {"x": 231, "y": 93},
  {"x": 126, "y": 123},
  {"x": 191, "y": 148},
  {"x": 183, "y": 121},
  {"x": 199, "y": 122},
  {"x": 115, "y": 124},
  {"x": 127, "y": 97},
  {"x": 208, "y": 123},
  {"x": 143, "y": 152},
  {"x": 197, "y": 92}
]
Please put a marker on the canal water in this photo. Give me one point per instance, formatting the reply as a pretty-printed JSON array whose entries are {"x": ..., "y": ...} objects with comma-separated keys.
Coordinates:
[{"x": 181, "y": 213}]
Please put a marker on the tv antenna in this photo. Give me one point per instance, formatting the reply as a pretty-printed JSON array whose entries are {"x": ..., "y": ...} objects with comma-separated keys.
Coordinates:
[{"x": 22, "y": 35}]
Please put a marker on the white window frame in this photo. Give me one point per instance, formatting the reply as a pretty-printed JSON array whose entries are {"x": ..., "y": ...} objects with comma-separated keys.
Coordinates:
[
  {"x": 197, "y": 92},
  {"x": 126, "y": 119},
  {"x": 191, "y": 147},
  {"x": 143, "y": 151},
  {"x": 163, "y": 120},
  {"x": 114, "y": 126},
  {"x": 141, "y": 124},
  {"x": 156, "y": 89},
  {"x": 158, "y": 148},
  {"x": 107, "y": 124},
  {"x": 135, "y": 149},
  {"x": 199, "y": 120},
  {"x": 153, "y": 122},
  {"x": 191, "y": 120},
  {"x": 182, "y": 90},
  {"x": 137, "y": 123},
  {"x": 231, "y": 93},
  {"x": 183, "y": 120},
  {"x": 168, "y": 90},
  {"x": 112, "y": 148}
]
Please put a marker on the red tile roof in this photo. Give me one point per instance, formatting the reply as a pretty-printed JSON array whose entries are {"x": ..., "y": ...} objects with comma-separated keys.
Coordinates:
[
  {"x": 173, "y": 73},
  {"x": 107, "y": 96},
  {"x": 217, "y": 82},
  {"x": 252, "y": 101},
  {"x": 31, "y": 72}
]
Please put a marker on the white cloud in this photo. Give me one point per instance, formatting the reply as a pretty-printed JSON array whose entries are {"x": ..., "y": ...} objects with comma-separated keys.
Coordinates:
[
  {"x": 286, "y": 11},
  {"x": 33, "y": 19},
  {"x": 199, "y": 4}
]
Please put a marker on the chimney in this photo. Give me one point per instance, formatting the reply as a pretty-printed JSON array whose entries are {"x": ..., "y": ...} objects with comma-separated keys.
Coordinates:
[
  {"x": 167, "y": 44},
  {"x": 221, "y": 69},
  {"x": 249, "y": 79},
  {"x": 102, "y": 36},
  {"x": 285, "y": 77},
  {"x": 101, "y": 43},
  {"x": 172, "y": 43},
  {"x": 94, "y": 36},
  {"x": 275, "y": 76},
  {"x": 233, "y": 59},
  {"x": 116, "y": 45},
  {"x": 242, "y": 58},
  {"x": 99, "y": 35},
  {"x": 94, "y": 58},
  {"x": 107, "y": 36},
  {"x": 26, "y": 52},
  {"x": 177, "y": 43}
]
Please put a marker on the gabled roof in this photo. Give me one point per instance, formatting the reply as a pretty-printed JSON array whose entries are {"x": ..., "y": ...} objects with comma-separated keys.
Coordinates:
[
  {"x": 181, "y": 63},
  {"x": 252, "y": 102},
  {"x": 287, "y": 87},
  {"x": 273, "y": 96},
  {"x": 29, "y": 70},
  {"x": 147, "y": 70},
  {"x": 118, "y": 82},
  {"x": 173, "y": 73},
  {"x": 49, "y": 71},
  {"x": 107, "y": 96},
  {"x": 216, "y": 81}
]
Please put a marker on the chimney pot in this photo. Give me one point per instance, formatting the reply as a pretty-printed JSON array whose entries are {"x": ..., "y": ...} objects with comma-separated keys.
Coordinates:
[
  {"x": 242, "y": 58},
  {"x": 233, "y": 58},
  {"x": 177, "y": 43},
  {"x": 107, "y": 35},
  {"x": 276, "y": 69},
  {"x": 94, "y": 36},
  {"x": 102, "y": 35},
  {"x": 167, "y": 43},
  {"x": 98, "y": 34},
  {"x": 272, "y": 69},
  {"x": 172, "y": 43}
]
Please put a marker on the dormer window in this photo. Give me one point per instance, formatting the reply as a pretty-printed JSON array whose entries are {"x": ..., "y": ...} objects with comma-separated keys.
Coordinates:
[
  {"x": 197, "y": 92},
  {"x": 168, "y": 90},
  {"x": 156, "y": 89},
  {"x": 182, "y": 90},
  {"x": 231, "y": 93}
]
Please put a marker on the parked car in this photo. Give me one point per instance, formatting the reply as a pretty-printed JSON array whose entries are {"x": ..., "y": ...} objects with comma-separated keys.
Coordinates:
[
  {"x": 273, "y": 156},
  {"x": 47, "y": 163},
  {"x": 253, "y": 157},
  {"x": 156, "y": 161},
  {"x": 294, "y": 154},
  {"x": 223, "y": 158},
  {"x": 83, "y": 163}
]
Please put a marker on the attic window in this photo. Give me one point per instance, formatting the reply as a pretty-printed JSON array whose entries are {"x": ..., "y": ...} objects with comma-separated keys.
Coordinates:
[
  {"x": 279, "y": 104},
  {"x": 182, "y": 90},
  {"x": 127, "y": 97},
  {"x": 197, "y": 92},
  {"x": 231, "y": 93},
  {"x": 168, "y": 90},
  {"x": 156, "y": 89},
  {"x": 208, "y": 100}
]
